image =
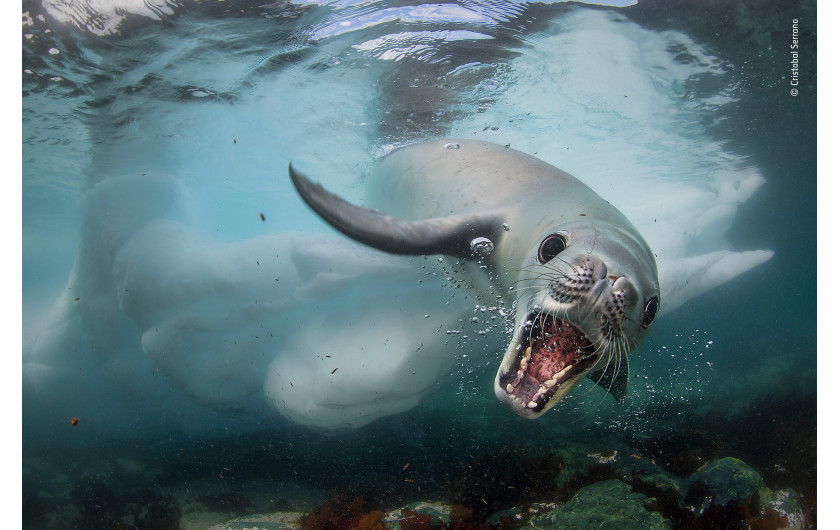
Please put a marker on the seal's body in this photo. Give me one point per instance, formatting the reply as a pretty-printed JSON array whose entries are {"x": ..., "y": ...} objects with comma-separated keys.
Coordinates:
[{"x": 582, "y": 279}]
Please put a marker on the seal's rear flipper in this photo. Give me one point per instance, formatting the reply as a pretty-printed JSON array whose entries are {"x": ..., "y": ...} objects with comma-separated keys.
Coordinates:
[
  {"x": 451, "y": 235},
  {"x": 615, "y": 378},
  {"x": 682, "y": 279}
]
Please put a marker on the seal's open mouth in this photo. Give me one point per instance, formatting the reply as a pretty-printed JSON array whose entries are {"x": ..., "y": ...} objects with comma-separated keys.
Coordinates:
[{"x": 550, "y": 353}]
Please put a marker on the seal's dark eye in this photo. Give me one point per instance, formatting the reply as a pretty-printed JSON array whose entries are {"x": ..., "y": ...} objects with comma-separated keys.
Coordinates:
[
  {"x": 651, "y": 307},
  {"x": 550, "y": 247}
]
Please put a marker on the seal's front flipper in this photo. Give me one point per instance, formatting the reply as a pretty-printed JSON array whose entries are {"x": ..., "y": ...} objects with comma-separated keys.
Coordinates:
[
  {"x": 452, "y": 235},
  {"x": 685, "y": 278},
  {"x": 615, "y": 378}
]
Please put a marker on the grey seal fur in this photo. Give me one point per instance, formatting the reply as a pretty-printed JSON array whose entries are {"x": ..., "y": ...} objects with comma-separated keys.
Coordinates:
[{"x": 511, "y": 227}]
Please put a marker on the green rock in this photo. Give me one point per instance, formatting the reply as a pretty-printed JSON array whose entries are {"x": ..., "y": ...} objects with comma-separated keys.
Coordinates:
[
  {"x": 608, "y": 505},
  {"x": 630, "y": 464},
  {"x": 264, "y": 521},
  {"x": 576, "y": 459},
  {"x": 728, "y": 479},
  {"x": 786, "y": 503},
  {"x": 513, "y": 514},
  {"x": 439, "y": 511}
]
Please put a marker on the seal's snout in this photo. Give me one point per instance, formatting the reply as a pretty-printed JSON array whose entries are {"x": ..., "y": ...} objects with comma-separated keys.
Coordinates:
[{"x": 584, "y": 279}]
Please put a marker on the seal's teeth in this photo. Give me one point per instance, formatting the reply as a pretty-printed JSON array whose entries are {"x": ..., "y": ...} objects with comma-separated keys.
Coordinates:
[
  {"x": 519, "y": 375},
  {"x": 556, "y": 377},
  {"x": 561, "y": 373},
  {"x": 523, "y": 363},
  {"x": 509, "y": 388},
  {"x": 532, "y": 404}
]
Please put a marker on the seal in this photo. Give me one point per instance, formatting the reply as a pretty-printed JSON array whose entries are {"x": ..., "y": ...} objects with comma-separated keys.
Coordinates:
[{"x": 579, "y": 278}]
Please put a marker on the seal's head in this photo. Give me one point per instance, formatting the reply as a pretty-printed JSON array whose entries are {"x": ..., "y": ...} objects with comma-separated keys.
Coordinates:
[{"x": 585, "y": 299}]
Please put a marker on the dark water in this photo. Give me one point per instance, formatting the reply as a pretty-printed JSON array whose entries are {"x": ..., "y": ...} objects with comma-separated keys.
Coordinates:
[{"x": 152, "y": 147}]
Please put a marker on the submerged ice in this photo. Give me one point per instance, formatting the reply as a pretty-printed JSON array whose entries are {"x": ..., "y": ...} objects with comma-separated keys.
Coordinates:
[
  {"x": 180, "y": 315},
  {"x": 332, "y": 333}
]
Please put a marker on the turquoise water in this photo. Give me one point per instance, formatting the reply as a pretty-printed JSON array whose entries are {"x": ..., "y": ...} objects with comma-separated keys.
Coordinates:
[{"x": 174, "y": 285}]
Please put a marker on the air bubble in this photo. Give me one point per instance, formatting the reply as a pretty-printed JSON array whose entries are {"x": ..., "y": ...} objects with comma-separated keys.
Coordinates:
[
  {"x": 481, "y": 246},
  {"x": 452, "y": 145}
]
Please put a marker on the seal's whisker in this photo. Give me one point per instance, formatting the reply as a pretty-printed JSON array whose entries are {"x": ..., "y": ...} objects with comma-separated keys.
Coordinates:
[
  {"x": 615, "y": 349},
  {"x": 603, "y": 397},
  {"x": 531, "y": 279},
  {"x": 617, "y": 359}
]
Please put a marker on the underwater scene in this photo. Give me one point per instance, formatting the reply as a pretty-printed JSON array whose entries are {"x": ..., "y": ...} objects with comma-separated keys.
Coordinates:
[{"x": 404, "y": 265}]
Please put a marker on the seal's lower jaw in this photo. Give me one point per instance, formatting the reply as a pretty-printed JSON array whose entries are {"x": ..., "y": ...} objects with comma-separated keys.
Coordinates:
[{"x": 543, "y": 362}]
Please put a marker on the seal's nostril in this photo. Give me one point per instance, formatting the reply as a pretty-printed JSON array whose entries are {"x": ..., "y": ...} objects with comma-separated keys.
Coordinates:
[{"x": 621, "y": 286}]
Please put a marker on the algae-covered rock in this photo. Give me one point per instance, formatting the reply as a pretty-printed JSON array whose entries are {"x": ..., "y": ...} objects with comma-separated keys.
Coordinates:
[
  {"x": 578, "y": 458},
  {"x": 432, "y": 513},
  {"x": 609, "y": 505},
  {"x": 728, "y": 479},
  {"x": 621, "y": 460},
  {"x": 786, "y": 504},
  {"x": 264, "y": 521},
  {"x": 631, "y": 464},
  {"x": 512, "y": 514},
  {"x": 199, "y": 520}
]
